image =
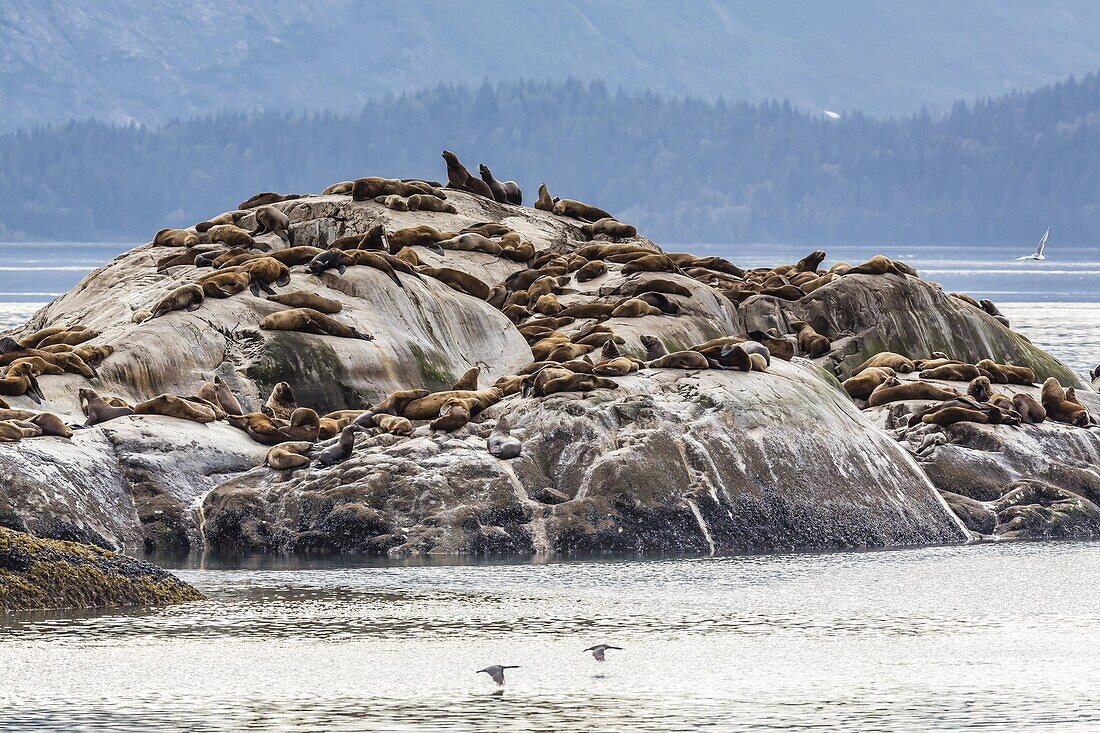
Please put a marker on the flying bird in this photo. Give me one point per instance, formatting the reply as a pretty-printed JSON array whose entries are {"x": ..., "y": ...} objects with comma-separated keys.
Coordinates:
[
  {"x": 599, "y": 650},
  {"x": 497, "y": 672},
  {"x": 1038, "y": 253}
]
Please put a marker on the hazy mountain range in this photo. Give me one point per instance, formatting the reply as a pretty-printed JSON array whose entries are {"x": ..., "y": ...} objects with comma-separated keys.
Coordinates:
[{"x": 133, "y": 60}]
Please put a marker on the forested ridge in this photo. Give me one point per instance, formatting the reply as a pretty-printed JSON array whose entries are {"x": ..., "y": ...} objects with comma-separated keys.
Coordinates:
[{"x": 682, "y": 169}]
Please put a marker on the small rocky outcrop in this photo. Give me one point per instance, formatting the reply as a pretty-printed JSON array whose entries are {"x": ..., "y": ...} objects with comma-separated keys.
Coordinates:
[
  {"x": 42, "y": 574},
  {"x": 657, "y": 459}
]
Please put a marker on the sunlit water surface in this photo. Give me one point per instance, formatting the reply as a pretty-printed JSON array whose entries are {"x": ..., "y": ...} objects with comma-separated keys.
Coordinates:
[{"x": 961, "y": 638}]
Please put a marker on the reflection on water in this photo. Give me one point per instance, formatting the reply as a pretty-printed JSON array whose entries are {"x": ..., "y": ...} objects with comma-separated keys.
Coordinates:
[{"x": 962, "y": 638}]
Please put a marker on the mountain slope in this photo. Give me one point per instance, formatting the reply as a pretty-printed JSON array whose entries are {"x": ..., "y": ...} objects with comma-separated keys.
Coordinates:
[{"x": 148, "y": 62}]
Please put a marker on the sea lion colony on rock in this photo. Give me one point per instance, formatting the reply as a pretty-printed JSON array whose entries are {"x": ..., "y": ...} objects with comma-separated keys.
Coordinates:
[{"x": 571, "y": 331}]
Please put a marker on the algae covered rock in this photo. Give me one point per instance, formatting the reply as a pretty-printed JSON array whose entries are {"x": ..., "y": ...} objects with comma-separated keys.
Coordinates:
[{"x": 40, "y": 574}]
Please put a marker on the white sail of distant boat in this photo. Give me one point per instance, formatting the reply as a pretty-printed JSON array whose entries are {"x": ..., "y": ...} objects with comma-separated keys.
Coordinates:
[{"x": 1038, "y": 253}]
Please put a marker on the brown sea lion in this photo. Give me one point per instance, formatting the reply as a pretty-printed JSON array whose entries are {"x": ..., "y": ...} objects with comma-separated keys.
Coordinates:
[
  {"x": 1028, "y": 408},
  {"x": 505, "y": 192},
  {"x": 458, "y": 280},
  {"x": 307, "y": 320},
  {"x": 305, "y": 424},
  {"x": 265, "y": 272},
  {"x": 418, "y": 236},
  {"x": 281, "y": 403},
  {"x": 232, "y": 235},
  {"x": 608, "y": 227},
  {"x": 1007, "y": 373},
  {"x": 547, "y": 305},
  {"x": 1060, "y": 409},
  {"x": 429, "y": 406},
  {"x": 863, "y": 384},
  {"x": 877, "y": 265},
  {"x": 396, "y": 402},
  {"x": 392, "y": 424},
  {"x": 810, "y": 262},
  {"x": 634, "y": 308},
  {"x": 952, "y": 373},
  {"x": 393, "y": 201},
  {"x": 424, "y": 202},
  {"x": 897, "y": 362},
  {"x": 980, "y": 389},
  {"x": 226, "y": 399},
  {"x": 894, "y": 390},
  {"x": 579, "y": 210},
  {"x": 544, "y": 202},
  {"x": 289, "y": 455},
  {"x": 574, "y": 382},
  {"x": 371, "y": 187},
  {"x": 270, "y": 220},
  {"x": 810, "y": 342},
  {"x": 307, "y": 299},
  {"x": 99, "y": 410},
  {"x": 229, "y": 217},
  {"x": 225, "y": 284},
  {"x": 689, "y": 359},
  {"x": 341, "y": 188},
  {"x": 650, "y": 263},
  {"x": 185, "y": 297},
  {"x": 172, "y": 406},
  {"x": 51, "y": 424},
  {"x": 459, "y": 177},
  {"x": 592, "y": 270},
  {"x": 468, "y": 380},
  {"x": 21, "y": 379},
  {"x": 267, "y": 197},
  {"x": 955, "y": 414},
  {"x": 292, "y": 256},
  {"x": 472, "y": 242},
  {"x": 176, "y": 238}
]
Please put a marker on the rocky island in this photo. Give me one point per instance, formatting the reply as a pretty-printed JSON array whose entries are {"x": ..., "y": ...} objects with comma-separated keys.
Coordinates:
[{"x": 400, "y": 366}]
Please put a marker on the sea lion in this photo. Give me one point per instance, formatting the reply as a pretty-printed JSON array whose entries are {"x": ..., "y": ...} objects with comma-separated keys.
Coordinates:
[
  {"x": 544, "y": 202},
  {"x": 590, "y": 271},
  {"x": 1028, "y": 408},
  {"x": 459, "y": 177},
  {"x": 689, "y": 359},
  {"x": 392, "y": 424},
  {"x": 472, "y": 242},
  {"x": 897, "y": 362},
  {"x": 267, "y": 197},
  {"x": 305, "y": 424},
  {"x": 488, "y": 229},
  {"x": 232, "y": 235},
  {"x": 574, "y": 382},
  {"x": 371, "y": 187},
  {"x": 340, "y": 188},
  {"x": 966, "y": 299},
  {"x": 502, "y": 443},
  {"x": 547, "y": 305},
  {"x": 393, "y": 201},
  {"x": 455, "y": 413},
  {"x": 265, "y": 272},
  {"x": 507, "y": 192},
  {"x": 12, "y": 431},
  {"x": 579, "y": 210},
  {"x": 261, "y": 427},
  {"x": 226, "y": 399},
  {"x": 1007, "y": 373},
  {"x": 340, "y": 450},
  {"x": 952, "y": 373},
  {"x": 810, "y": 342},
  {"x": 1060, "y": 409},
  {"x": 307, "y": 320},
  {"x": 894, "y": 390},
  {"x": 877, "y": 265},
  {"x": 185, "y": 297},
  {"x": 270, "y": 220},
  {"x": 1094, "y": 375},
  {"x": 424, "y": 202},
  {"x": 289, "y": 455},
  {"x": 618, "y": 366},
  {"x": 955, "y": 414},
  {"x": 989, "y": 307},
  {"x": 567, "y": 351},
  {"x": 99, "y": 410},
  {"x": 229, "y": 217},
  {"x": 175, "y": 238},
  {"x": 650, "y": 263},
  {"x": 429, "y": 406},
  {"x": 458, "y": 280},
  {"x": 330, "y": 259},
  {"x": 468, "y": 380},
  {"x": 634, "y": 308},
  {"x": 281, "y": 403},
  {"x": 395, "y": 402},
  {"x": 979, "y": 388},
  {"x": 418, "y": 236},
  {"x": 172, "y": 406},
  {"x": 608, "y": 227},
  {"x": 307, "y": 299},
  {"x": 51, "y": 424},
  {"x": 21, "y": 379},
  {"x": 810, "y": 262},
  {"x": 71, "y": 336},
  {"x": 225, "y": 284},
  {"x": 861, "y": 385},
  {"x": 292, "y": 256}
]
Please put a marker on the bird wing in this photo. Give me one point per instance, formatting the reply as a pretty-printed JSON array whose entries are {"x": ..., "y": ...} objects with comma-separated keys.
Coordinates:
[{"x": 1043, "y": 242}]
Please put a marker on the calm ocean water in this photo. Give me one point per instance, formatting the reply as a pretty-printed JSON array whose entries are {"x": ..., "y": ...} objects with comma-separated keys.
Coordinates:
[{"x": 985, "y": 638}]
